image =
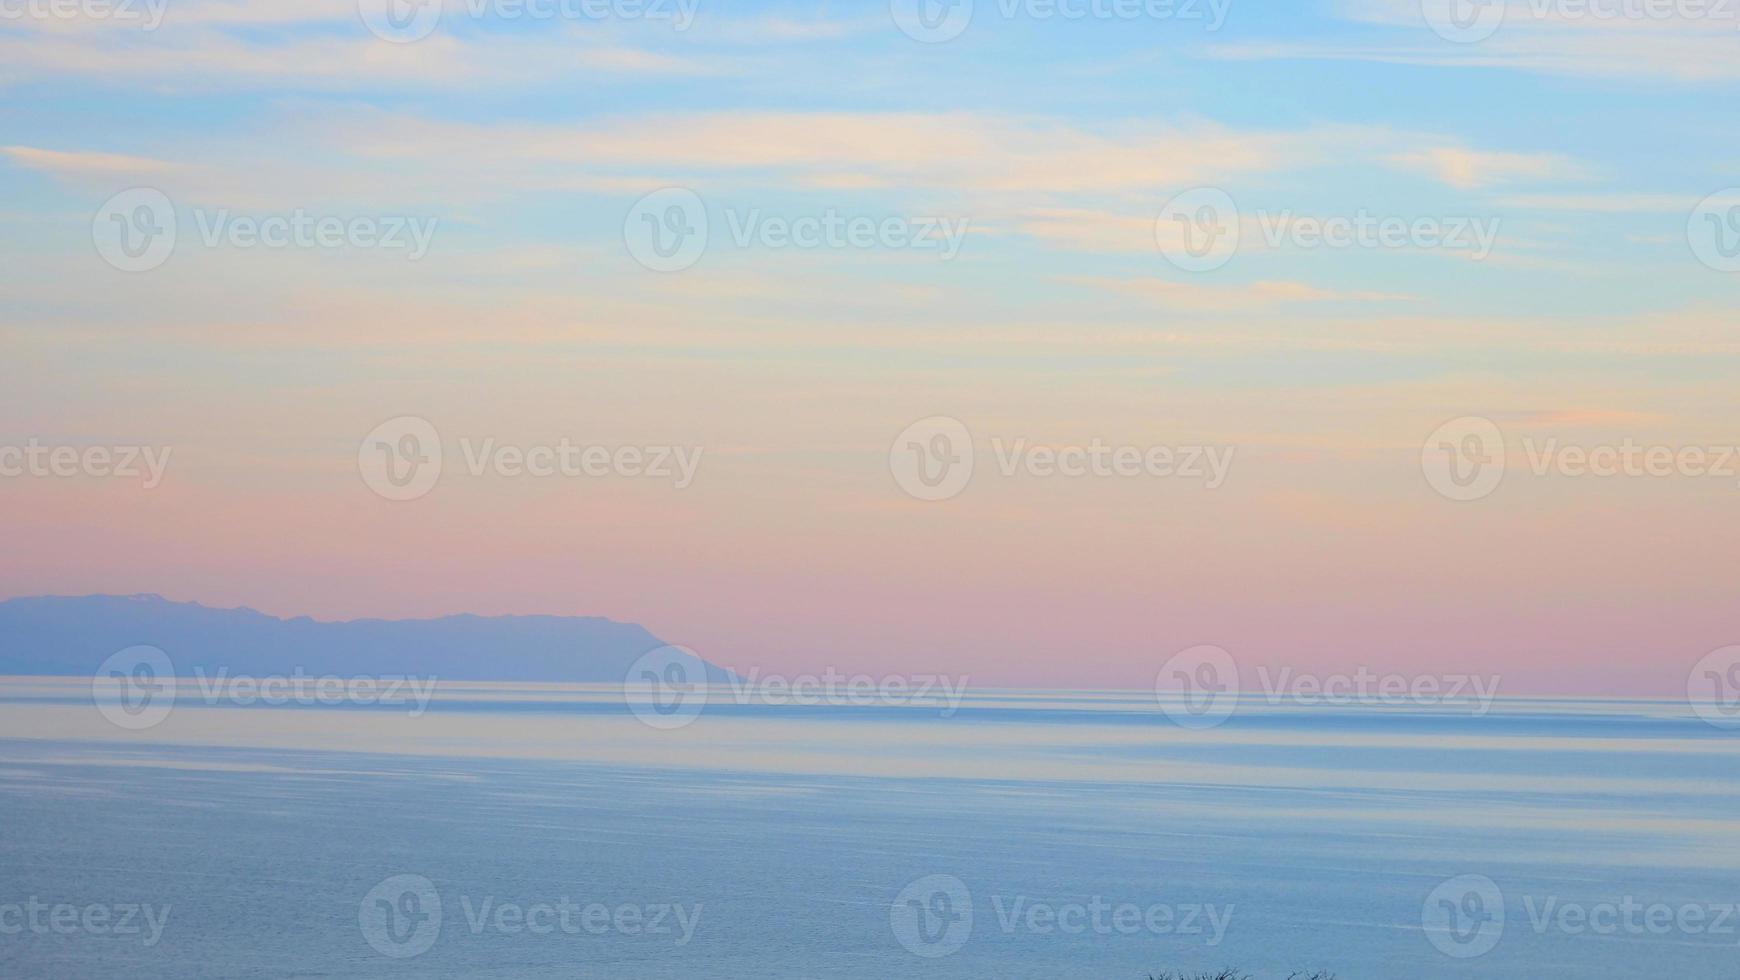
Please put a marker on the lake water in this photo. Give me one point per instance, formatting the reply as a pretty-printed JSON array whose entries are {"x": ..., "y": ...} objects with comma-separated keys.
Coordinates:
[{"x": 545, "y": 831}]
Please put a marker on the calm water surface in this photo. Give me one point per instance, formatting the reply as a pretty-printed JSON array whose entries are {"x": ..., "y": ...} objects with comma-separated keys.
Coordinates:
[{"x": 533, "y": 831}]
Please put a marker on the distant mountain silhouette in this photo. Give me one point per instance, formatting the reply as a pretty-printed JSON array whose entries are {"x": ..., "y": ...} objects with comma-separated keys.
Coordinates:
[{"x": 73, "y": 636}]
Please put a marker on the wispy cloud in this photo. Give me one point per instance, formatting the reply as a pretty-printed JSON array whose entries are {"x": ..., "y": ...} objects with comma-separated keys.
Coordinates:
[
  {"x": 1611, "y": 203},
  {"x": 1467, "y": 169},
  {"x": 205, "y": 58},
  {"x": 81, "y": 164},
  {"x": 1206, "y": 297},
  {"x": 1010, "y": 164}
]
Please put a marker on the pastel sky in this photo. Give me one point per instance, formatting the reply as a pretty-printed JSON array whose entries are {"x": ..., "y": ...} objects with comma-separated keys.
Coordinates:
[{"x": 1595, "y": 147}]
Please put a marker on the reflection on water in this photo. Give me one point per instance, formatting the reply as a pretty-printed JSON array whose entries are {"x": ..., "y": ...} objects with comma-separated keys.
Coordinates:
[{"x": 539, "y": 831}]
